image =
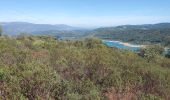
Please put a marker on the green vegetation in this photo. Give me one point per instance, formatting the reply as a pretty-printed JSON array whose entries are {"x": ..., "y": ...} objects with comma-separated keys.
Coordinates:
[
  {"x": 40, "y": 67},
  {"x": 144, "y": 34}
]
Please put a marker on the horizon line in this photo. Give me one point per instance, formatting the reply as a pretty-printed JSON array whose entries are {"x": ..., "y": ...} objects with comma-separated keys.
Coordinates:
[{"x": 81, "y": 25}]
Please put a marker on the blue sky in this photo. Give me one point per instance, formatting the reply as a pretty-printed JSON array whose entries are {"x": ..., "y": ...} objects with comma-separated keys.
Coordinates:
[{"x": 85, "y": 13}]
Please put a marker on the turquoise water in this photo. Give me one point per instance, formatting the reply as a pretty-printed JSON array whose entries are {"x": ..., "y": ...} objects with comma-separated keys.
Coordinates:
[{"x": 119, "y": 45}]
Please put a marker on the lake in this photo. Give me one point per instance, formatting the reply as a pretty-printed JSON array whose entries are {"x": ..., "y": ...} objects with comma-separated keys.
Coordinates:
[{"x": 121, "y": 45}]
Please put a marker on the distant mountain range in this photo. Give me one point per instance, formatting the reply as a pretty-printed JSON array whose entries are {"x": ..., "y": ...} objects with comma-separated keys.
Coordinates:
[
  {"x": 138, "y": 34},
  {"x": 15, "y": 28},
  {"x": 143, "y": 26}
]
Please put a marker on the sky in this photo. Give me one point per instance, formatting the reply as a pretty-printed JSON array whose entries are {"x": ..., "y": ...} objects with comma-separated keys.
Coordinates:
[{"x": 85, "y": 13}]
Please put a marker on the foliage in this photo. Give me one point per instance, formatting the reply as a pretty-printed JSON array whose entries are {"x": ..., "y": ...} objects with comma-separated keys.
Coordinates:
[
  {"x": 136, "y": 35},
  {"x": 150, "y": 52},
  {"x": 40, "y": 67}
]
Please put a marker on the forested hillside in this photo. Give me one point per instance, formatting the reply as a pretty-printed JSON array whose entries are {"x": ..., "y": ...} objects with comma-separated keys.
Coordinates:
[
  {"x": 40, "y": 67},
  {"x": 138, "y": 34}
]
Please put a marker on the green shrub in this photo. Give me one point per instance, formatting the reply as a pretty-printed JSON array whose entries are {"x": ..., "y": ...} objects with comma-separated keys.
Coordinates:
[{"x": 39, "y": 67}]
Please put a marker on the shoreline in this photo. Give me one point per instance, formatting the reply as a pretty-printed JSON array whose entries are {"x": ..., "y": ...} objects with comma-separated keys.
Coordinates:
[{"x": 126, "y": 44}]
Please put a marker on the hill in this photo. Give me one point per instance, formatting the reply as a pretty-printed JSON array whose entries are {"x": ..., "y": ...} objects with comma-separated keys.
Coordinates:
[
  {"x": 138, "y": 34},
  {"x": 146, "y": 26},
  {"x": 40, "y": 67},
  {"x": 14, "y": 28}
]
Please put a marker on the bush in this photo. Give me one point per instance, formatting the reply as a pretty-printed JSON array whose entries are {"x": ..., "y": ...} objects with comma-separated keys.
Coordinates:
[
  {"x": 150, "y": 52},
  {"x": 40, "y": 67}
]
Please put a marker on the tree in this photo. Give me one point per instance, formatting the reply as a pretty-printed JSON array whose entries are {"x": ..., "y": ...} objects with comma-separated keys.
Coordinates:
[
  {"x": 167, "y": 41},
  {"x": 150, "y": 52}
]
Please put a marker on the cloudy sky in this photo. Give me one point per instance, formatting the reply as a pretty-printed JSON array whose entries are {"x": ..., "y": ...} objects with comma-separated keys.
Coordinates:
[{"x": 87, "y": 13}]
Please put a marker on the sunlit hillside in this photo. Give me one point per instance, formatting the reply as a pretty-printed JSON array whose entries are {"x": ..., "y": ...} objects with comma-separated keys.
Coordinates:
[{"x": 41, "y": 67}]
